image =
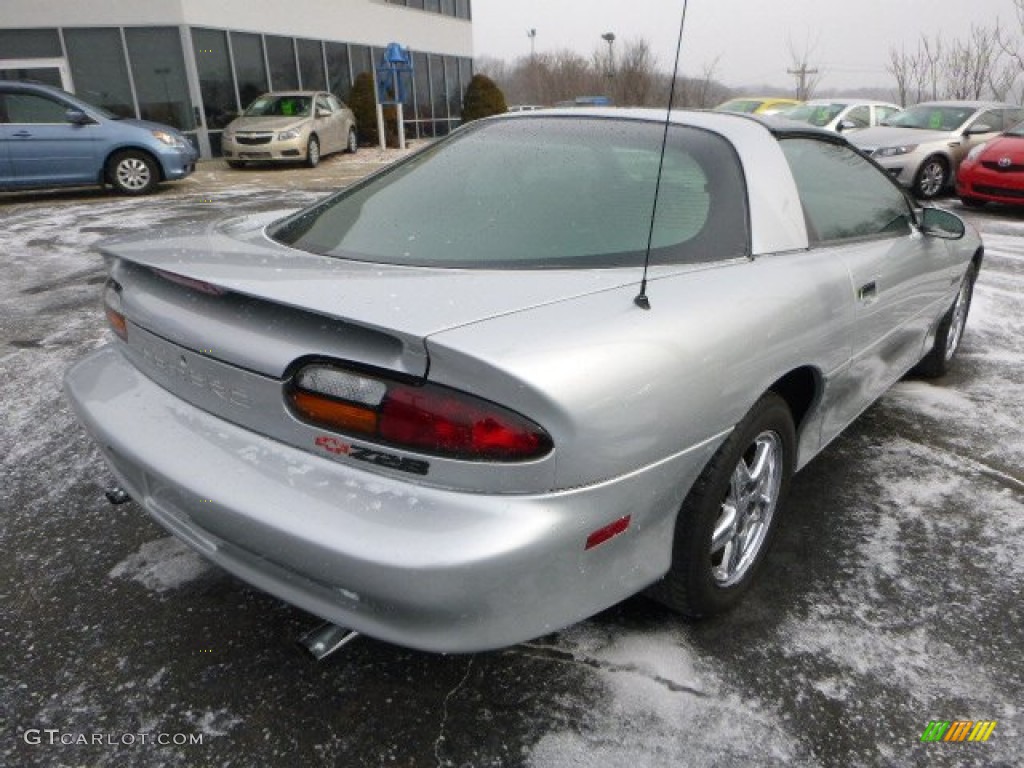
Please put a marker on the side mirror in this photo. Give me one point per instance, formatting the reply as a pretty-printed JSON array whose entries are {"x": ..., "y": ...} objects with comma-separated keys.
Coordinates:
[
  {"x": 846, "y": 125},
  {"x": 979, "y": 128},
  {"x": 943, "y": 224},
  {"x": 77, "y": 117},
  {"x": 321, "y": 112}
]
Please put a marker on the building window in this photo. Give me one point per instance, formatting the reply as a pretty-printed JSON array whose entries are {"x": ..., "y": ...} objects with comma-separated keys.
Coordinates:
[
  {"x": 29, "y": 44},
  {"x": 451, "y": 76},
  {"x": 311, "y": 65},
  {"x": 98, "y": 69},
  {"x": 362, "y": 60},
  {"x": 422, "y": 113},
  {"x": 438, "y": 99},
  {"x": 463, "y": 9},
  {"x": 247, "y": 50},
  {"x": 215, "y": 82},
  {"x": 158, "y": 69},
  {"x": 281, "y": 58},
  {"x": 339, "y": 72},
  {"x": 432, "y": 6}
]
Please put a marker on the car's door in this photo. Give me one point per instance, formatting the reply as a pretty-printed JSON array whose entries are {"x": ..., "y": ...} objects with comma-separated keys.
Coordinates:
[
  {"x": 899, "y": 278},
  {"x": 982, "y": 128},
  {"x": 327, "y": 125},
  {"x": 345, "y": 121},
  {"x": 43, "y": 147},
  {"x": 6, "y": 174}
]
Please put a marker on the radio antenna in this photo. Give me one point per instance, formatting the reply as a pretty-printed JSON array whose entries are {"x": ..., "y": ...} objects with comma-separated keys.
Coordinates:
[{"x": 641, "y": 299}]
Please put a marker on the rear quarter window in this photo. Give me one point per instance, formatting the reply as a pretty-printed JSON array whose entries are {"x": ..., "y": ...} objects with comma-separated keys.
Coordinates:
[{"x": 541, "y": 193}]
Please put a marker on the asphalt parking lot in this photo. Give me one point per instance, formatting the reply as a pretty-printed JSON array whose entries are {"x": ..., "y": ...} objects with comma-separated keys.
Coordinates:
[{"x": 893, "y": 596}]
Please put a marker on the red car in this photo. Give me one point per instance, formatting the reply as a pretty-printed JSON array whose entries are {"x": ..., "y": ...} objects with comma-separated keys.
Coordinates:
[{"x": 994, "y": 171}]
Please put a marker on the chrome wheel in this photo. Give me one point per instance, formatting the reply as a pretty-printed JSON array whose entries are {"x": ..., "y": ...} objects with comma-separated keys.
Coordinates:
[
  {"x": 313, "y": 153},
  {"x": 958, "y": 319},
  {"x": 931, "y": 178},
  {"x": 133, "y": 174},
  {"x": 747, "y": 510}
]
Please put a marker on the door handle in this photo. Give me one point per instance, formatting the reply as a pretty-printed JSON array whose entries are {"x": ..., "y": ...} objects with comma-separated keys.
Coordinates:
[
  {"x": 22, "y": 134},
  {"x": 867, "y": 291}
]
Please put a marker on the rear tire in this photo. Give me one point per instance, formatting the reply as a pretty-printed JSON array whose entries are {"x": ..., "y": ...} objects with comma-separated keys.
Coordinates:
[
  {"x": 133, "y": 172},
  {"x": 950, "y": 332},
  {"x": 729, "y": 518},
  {"x": 313, "y": 152}
]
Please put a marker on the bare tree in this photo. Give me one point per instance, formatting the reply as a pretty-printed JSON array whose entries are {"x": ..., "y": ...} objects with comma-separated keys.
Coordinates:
[
  {"x": 901, "y": 67},
  {"x": 704, "y": 91},
  {"x": 635, "y": 74}
]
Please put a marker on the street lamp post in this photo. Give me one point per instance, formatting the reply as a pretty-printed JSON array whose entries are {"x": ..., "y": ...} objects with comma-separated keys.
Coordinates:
[
  {"x": 609, "y": 37},
  {"x": 532, "y": 34}
]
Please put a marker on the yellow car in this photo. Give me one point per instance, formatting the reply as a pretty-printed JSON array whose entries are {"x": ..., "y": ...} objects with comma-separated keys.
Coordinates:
[{"x": 759, "y": 105}]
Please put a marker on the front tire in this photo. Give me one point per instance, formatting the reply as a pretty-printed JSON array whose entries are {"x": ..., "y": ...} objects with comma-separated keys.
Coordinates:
[
  {"x": 729, "y": 518},
  {"x": 313, "y": 152},
  {"x": 133, "y": 172},
  {"x": 931, "y": 178},
  {"x": 972, "y": 202},
  {"x": 353, "y": 141},
  {"x": 950, "y": 332},
  {"x": 236, "y": 164}
]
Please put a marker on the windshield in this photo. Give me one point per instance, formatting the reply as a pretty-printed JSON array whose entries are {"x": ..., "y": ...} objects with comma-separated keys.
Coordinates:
[
  {"x": 280, "y": 106},
  {"x": 931, "y": 118},
  {"x": 815, "y": 114},
  {"x": 540, "y": 192},
  {"x": 740, "y": 105}
]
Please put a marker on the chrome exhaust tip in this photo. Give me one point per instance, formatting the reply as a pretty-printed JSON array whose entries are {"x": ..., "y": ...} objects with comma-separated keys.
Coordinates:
[
  {"x": 117, "y": 495},
  {"x": 326, "y": 639}
]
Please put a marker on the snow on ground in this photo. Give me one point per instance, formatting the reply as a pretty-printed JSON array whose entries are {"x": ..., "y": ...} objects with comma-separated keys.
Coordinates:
[{"x": 894, "y": 599}]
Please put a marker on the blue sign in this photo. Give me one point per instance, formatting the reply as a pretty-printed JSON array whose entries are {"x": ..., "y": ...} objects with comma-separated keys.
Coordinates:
[{"x": 394, "y": 75}]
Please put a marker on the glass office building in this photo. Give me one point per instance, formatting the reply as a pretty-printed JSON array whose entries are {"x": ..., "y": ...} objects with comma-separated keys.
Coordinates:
[{"x": 194, "y": 65}]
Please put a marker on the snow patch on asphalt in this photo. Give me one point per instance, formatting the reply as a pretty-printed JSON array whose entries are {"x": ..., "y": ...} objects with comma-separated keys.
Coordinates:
[
  {"x": 161, "y": 565},
  {"x": 664, "y": 705}
]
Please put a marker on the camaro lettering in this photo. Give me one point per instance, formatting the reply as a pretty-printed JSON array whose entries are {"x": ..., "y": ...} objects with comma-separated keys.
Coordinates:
[
  {"x": 358, "y": 452},
  {"x": 185, "y": 372}
]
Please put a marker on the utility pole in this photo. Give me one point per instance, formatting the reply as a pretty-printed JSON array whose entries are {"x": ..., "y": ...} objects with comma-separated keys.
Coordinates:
[
  {"x": 532, "y": 34},
  {"x": 801, "y": 80}
]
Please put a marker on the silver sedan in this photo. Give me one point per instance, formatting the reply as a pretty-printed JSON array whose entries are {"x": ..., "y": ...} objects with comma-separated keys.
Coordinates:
[{"x": 502, "y": 385}]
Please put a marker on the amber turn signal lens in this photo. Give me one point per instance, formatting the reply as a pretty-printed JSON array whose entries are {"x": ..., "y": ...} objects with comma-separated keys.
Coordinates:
[{"x": 345, "y": 417}]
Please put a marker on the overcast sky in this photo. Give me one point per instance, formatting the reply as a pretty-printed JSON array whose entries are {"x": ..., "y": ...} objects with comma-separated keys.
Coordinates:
[{"x": 852, "y": 38}]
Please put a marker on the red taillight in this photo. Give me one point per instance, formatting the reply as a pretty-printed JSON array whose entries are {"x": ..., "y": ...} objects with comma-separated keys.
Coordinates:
[
  {"x": 426, "y": 418},
  {"x": 112, "y": 307}
]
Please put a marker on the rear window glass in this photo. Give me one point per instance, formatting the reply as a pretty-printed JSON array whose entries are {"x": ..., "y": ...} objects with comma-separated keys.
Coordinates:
[{"x": 537, "y": 193}]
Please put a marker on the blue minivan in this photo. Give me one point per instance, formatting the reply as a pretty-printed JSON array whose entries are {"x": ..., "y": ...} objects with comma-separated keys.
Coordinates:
[{"x": 49, "y": 138}]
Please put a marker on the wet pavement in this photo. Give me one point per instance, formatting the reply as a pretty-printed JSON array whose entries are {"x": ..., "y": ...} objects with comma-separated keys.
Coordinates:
[{"x": 893, "y": 596}]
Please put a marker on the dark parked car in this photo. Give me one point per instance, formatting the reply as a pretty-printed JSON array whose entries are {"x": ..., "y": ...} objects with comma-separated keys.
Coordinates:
[{"x": 49, "y": 138}]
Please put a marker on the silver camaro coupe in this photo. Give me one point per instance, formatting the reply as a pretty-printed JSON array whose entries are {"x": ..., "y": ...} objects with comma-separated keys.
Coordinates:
[{"x": 448, "y": 407}]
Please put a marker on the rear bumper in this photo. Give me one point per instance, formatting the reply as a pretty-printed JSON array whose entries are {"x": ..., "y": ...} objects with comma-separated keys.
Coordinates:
[{"x": 428, "y": 568}]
